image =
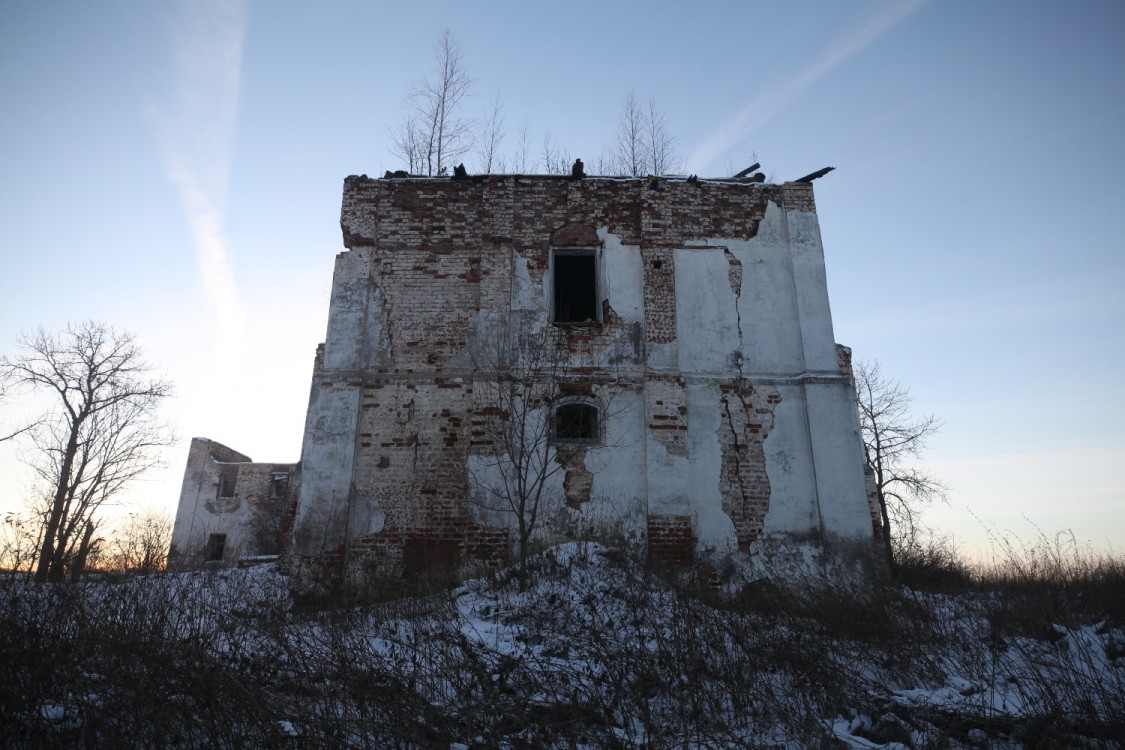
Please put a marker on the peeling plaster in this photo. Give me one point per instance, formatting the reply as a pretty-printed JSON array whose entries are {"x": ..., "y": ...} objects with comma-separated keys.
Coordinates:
[{"x": 716, "y": 334}]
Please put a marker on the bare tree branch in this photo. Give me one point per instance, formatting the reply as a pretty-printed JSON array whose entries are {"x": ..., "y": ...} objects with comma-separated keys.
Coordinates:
[
  {"x": 661, "y": 156},
  {"x": 556, "y": 160},
  {"x": 642, "y": 144},
  {"x": 521, "y": 379},
  {"x": 629, "y": 149},
  {"x": 409, "y": 144},
  {"x": 523, "y": 150},
  {"x": 893, "y": 441},
  {"x": 434, "y": 133},
  {"x": 491, "y": 138},
  {"x": 104, "y": 435}
]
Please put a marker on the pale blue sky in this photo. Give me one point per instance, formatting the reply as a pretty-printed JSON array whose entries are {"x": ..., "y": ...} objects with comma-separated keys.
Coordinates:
[{"x": 175, "y": 168}]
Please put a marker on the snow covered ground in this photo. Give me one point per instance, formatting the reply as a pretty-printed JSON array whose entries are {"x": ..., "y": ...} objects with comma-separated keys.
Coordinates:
[{"x": 584, "y": 648}]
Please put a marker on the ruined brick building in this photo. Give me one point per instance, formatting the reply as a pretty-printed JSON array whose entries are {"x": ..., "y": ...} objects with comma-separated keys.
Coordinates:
[{"x": 665, "y": 347}]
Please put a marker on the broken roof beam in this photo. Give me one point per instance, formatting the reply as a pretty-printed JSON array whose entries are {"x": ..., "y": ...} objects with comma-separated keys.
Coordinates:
[
  {"x": 746, "y": 171},
  {"x": 815, "y": 175}
]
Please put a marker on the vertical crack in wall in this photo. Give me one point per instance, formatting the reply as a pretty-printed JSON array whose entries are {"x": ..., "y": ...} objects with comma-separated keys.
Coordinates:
[
  {"x": 745, "y": 536},
  {"x": 745, "y": 486},
  {"x": 743, "y": 542},
  {"x": 734, "y": 277}
]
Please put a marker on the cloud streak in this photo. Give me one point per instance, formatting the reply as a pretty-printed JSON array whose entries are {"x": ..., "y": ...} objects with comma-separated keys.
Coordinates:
[
  {"x": 774, "y": 100},
  {"x": 195, "y": 133}
]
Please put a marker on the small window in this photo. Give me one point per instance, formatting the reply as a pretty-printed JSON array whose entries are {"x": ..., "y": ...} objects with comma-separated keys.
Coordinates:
[
  {"x": 576, "y": 422},
  {"x": 279, "y": 485},
  {"x": 216, "y": 546},
  {"x": 576, "y": 287},
  {"x": 228, "y": 476}
]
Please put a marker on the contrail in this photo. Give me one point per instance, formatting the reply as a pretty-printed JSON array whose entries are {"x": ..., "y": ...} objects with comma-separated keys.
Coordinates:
[
  {"x": 195, "y": 132},
  {"x": 770, "y": 103}
]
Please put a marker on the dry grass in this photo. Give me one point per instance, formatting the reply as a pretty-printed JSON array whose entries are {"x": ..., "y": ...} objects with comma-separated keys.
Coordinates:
[{"x": 591, "y": 650}]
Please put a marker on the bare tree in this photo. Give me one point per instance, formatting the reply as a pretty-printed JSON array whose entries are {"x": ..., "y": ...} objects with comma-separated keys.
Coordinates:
[
  {"x": 141, "y": 544},
  {"x": 104, "y": 433},
  {"x": 19, "y": 541},
  {"x": 523, "y": 150},
  {"x": 434, "y": 133},
  {"x": 642, "y": 145},
  {"x": 556, "y": 160},
  {"x": 523, "y": 388},
  {"x": 893, "y": 441},
  {"x": 11, "y": 432},
  {"x": 491, "y": 138},
  {"x": 658, "y": 144},
  {"x": 630, "y": 148},
  {"x": 410, "y": 144}
]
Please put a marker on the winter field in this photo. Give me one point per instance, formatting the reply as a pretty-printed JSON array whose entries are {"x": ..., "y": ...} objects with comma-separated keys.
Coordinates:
[{"x": 584, "y": 647}]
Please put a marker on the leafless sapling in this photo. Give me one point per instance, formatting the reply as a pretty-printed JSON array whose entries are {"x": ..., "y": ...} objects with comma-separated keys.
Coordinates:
[
  {"x": 642, "y": 144},
  {"x": 529, "y": 427},
  {"x": 491, "y": 138}
]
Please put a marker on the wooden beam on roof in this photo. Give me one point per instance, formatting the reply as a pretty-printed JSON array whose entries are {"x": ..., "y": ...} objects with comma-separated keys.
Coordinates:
[{"x": 815, "y": 175}]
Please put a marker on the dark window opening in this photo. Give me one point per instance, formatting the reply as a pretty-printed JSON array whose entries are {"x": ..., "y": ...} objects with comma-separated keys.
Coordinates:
[
  {"x": 216, "y": 545},
  {"x": 576, "y": 288},
  {"x": 228, "y": 475},
  {"x": 279, "y": 487},
  {"x": 576, "y": 422}
]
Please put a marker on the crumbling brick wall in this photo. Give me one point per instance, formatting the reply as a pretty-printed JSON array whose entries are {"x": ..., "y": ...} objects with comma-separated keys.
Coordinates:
[
  {"x": 434, "y": 265},
  {"x": 226, "y": 493},
  {"x": 745, "y": 487},
  {"x": 670, "y": 539}
]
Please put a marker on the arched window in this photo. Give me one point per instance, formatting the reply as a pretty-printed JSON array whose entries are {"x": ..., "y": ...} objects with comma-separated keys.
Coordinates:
[{"x": 576, "y": 421}]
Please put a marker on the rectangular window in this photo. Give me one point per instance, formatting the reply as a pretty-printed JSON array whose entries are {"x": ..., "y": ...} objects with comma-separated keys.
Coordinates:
[
  {"x": 228, "y": 476},
  {"x": 279, "y": 485},
  {"x": 576, "y": 422},
  {"x": 216, "y": 546},
  {"x": 576, "y": 287}
]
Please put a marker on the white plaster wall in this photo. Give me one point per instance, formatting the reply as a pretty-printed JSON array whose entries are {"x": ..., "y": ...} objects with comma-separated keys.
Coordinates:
[
  {"x": 623, "y": 275},
  {"x": 617, "y": 496},
  {"x": 838, "y": 455},
  {"x": 777, "y": 326},
  {"x": 713, "y": 527},
  {"x": 767, "y": 305},
  {"x": 526, "y": 295},
  {"x": 707, "y": 326},
  {"x": 356, "y": 315},
  {"x": 194, "y": 521},
  {"x": 668, "y": 479},
  {"x": 492, "y": 502},
  {"x": 789, "y": 466},
  {"x": 779, "y": 320},
  {"x": 327, "y": 466},
  {"x": 188, "y": 507},
  {"x": 367, "y": 517},
  {"x": 811, "y": 285}
]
